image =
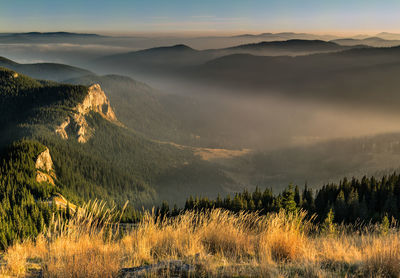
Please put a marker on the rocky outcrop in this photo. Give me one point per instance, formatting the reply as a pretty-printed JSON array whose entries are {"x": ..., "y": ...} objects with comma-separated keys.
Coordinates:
[
  {"x": 45, "y": 173},
  {"x": 61, "y": 202},
  {"x": 62, "y": 129},
  {"x": 97, "y": 101},
  {"x": 76, "y": 124},
  {"x": 44, "y": 177},
  {"x": 44, "y": 167},
  {"x": 44, "y": 161}
]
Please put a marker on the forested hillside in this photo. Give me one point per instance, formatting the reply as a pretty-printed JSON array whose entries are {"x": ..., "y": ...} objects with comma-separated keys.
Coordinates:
[
  {"x": 115, "y": 164},
  {"x": 23, "y": 212}
]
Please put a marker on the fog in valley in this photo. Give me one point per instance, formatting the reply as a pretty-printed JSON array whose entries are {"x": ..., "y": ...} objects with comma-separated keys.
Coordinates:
[
  {"x": 222, "y": 138},
  {"x": 218, "y": 92}
]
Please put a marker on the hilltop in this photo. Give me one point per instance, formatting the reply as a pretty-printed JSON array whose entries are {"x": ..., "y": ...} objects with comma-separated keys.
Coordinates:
[{"x": 52, "y": 71}]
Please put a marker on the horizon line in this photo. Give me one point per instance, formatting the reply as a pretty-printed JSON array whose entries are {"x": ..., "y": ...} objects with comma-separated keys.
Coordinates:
[{"x": 206, "y": 33}]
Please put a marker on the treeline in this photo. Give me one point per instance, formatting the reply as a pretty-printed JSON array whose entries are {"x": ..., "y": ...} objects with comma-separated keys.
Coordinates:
[{"x": 365, "y": 199}]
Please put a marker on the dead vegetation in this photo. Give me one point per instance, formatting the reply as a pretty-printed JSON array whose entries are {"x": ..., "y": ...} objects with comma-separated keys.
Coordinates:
[{"x": 217, "y": 243}]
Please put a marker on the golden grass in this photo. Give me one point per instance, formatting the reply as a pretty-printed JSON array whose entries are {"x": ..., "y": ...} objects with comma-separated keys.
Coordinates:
[{"x": 218, "y": 243}]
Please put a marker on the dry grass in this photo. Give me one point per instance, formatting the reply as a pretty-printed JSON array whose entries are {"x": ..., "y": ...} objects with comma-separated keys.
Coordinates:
[
  {"x": 382, "y": 256},
  {"x": 218, "y": 243}
]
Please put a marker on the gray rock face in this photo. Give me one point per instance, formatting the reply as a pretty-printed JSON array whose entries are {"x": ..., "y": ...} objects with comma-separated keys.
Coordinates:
[{"x": 174, "y": 268}]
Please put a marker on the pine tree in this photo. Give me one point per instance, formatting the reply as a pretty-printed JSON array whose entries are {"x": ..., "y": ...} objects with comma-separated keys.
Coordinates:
[
  {"x": 288, "y": 202},
  {"x": 328, "y": 227},
  {"x": 340, "y": 207},
  {"x": 297, "y": 197},
  {"x": 385, "y": 225}
]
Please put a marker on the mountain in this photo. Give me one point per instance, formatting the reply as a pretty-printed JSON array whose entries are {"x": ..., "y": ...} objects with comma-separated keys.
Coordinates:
[
  {"x": 346, "y": 77},
  {"x": 49, "y": 34},
  {"x": 94, "y": 154},
  {"x": 155, "y": 114},
  {"x": 294, "y": 45},
  {"x": 52, "y": 71},
  {"x": 154, "y": 60},
  {"x": 65, "y": 144},
  {"x": 140, "y": 107},
  {"x": 370, "y": 41},
  {"x": 388, "y": 36},
  {"x": 287, "y": 36},
  {"x": 47, "y": 37},
  {"x": 169, "y": 60},
  {"x": 162, "y": 116}
]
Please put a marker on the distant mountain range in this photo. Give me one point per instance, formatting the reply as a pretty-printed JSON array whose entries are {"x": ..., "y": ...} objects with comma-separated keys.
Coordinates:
[
  {"x": 304, "y": 69},
  {"x": 287, "y": 36},
  {"x": 49, "y": 34},
  {"x": 308, "y": 36},
  {"x": 201, "y": 42},
  {"x": 45, "y": 37},
  {"x": 167, "y": 60},
  {"x": 354, "y": 75},
  {"x": 370, "y": 41}
]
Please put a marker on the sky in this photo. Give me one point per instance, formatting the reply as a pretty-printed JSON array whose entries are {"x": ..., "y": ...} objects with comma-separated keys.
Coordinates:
[{"x": 200, "y": 16}]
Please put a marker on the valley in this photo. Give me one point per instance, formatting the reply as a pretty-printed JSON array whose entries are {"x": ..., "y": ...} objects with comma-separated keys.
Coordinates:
[{"x": 231, "y": 142}]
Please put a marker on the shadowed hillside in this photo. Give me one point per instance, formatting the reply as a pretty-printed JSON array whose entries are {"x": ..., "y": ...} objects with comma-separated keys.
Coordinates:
[{"x": 52, "y": 71}]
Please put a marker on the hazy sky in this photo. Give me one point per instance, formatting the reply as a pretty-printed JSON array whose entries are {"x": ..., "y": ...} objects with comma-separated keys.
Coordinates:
[{"x": 215, "y": 16}]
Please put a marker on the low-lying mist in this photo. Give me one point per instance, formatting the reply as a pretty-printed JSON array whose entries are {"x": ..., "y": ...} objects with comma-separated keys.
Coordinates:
[
  {"x": 67, "y": 53},
  {"x": 232, "y": 119},
  {"x": 271, "y": 122}
]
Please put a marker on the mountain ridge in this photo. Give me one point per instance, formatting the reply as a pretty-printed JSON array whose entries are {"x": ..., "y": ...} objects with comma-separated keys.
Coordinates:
[
  {"x": 53, "y": 71},
  {"x": 168, "y": 60}
]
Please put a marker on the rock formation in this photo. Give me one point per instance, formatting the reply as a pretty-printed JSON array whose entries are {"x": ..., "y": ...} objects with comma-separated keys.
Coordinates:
[
  {"x": 45, "y": 173},
  {"x": 44, "y": 167},
  {"x": 76, "y": 124}
]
